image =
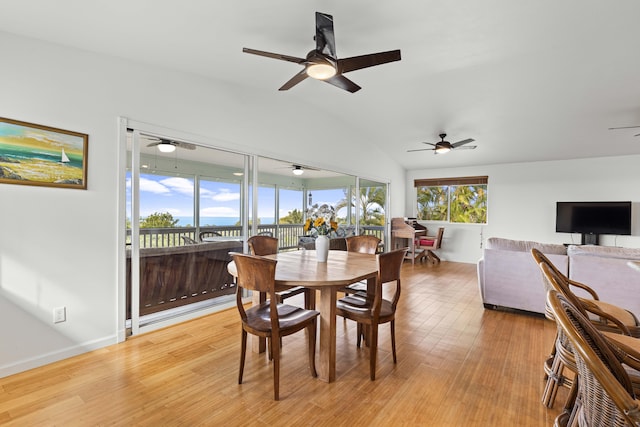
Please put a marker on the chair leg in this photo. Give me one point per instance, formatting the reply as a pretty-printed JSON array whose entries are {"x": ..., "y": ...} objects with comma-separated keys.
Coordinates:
[
  {"x": 359, "y": 333},
  {"x": 373, "y": 350},
  {"x": 393, "y": 341},
  {"x": 276, "y": 369},
  {"x": 554, "y": 380},
  {"x": 312, "y": 349},
  {"x": 243, "y": 352}
]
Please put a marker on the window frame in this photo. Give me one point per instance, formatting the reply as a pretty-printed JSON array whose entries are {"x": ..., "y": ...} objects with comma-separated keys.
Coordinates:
[{"x": 451, "y": 184}]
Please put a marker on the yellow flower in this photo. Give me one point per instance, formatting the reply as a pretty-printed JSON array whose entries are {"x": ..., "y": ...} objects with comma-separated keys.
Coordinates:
[
  {"x": 307, "y": 225},
  {"x": 318, "y": 222}
]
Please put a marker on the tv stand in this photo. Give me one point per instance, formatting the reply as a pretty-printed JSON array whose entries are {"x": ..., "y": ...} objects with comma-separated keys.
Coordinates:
[{"x": 590, "y": 239}]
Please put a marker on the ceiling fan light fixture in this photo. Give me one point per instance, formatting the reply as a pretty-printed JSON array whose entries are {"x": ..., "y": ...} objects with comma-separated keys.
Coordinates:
[
  {"x": 166, "y": 147},
  {"x": 321, "y": 71},
  {"x": 297, "y": 170},
  {"x": 441, "y": 149}
]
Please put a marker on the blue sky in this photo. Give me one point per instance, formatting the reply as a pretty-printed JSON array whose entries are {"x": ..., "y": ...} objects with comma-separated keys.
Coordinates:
[{"x": 218, "y": 199}]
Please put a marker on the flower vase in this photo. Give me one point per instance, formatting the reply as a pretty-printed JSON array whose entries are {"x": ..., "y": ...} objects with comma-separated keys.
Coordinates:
[{"x": 322, "y": 248}]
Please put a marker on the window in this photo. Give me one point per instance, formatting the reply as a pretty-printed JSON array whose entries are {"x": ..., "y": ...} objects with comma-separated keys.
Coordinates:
[{"x": 457, "y": 200}]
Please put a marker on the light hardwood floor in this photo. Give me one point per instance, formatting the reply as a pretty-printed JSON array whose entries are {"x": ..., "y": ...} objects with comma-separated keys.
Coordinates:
[{"x": 458, "y": 364}]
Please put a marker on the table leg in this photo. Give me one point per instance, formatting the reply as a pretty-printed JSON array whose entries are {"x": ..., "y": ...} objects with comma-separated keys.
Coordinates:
[{"x": 327, "y": 365}]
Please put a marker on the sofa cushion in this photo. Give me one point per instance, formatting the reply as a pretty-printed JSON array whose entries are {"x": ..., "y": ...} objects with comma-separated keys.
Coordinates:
[
  {"x": 604, "y": 251},
  {"x": 525, "y": 246}
]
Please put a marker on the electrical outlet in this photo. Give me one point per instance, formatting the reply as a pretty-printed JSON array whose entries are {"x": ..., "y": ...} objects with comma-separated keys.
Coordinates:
[{"x": 59, "y": 314}]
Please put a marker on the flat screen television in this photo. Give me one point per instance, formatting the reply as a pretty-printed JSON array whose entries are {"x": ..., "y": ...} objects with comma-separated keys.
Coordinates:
[{"x": 593, "y": 218}]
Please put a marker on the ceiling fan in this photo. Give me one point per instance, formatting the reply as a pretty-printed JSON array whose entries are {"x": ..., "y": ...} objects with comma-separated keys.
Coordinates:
[
  {"x": 168, "y": 145},
  {"x": 322, "y": 62},
  {"x": 299, "y": 169},
  {"x": 443, "y": 146},
  {"x": 626, "y": 127}
]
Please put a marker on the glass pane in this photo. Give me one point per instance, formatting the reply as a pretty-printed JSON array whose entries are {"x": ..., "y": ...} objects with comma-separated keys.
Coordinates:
[
  {"x": 433, "y": 203},
  {"x": 184, "y": 195},
  {"x": 371, "y": 205},
  {"x": 219, "y": 206},
  {"x": 469, "y": 204}
]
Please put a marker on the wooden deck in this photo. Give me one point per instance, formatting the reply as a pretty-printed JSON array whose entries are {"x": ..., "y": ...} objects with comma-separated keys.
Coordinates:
[{"x": 458, "y": 364}]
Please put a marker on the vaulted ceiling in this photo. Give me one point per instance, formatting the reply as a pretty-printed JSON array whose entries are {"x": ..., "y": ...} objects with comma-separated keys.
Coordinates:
[{"x": 528, "y": 80}]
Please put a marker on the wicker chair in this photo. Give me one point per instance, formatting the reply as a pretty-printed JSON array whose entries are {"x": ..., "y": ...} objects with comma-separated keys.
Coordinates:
[
  {"x": 375, "y": 310},
  {"x": 605, "y": 395},
  {"x": 267, "y": 245},
  {"x": 607, "y": 317},
  {"x": 270, "y": 319},
  {"x": 563, "y": 356}
]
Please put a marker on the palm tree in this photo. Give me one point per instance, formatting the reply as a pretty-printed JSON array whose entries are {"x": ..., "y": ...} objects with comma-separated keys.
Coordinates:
[
  {"x": 433, "y": 203},
  {"x": 370, "y": 203},
  {"x": 469, "y": 204}
]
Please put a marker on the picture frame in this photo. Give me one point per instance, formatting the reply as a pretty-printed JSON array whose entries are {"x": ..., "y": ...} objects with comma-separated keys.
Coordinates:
[{"x": 32, "y": 154}]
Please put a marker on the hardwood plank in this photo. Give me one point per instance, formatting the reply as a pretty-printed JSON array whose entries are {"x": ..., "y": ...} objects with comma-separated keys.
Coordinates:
[{"x": 458, "y": 364}]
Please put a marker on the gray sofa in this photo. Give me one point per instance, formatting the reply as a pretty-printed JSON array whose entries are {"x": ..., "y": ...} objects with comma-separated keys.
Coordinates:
[{"x": 509, "y": 278}]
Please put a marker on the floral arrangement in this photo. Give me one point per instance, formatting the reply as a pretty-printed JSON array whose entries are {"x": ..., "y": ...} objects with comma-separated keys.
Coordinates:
[{"x": 321, "y": 220}]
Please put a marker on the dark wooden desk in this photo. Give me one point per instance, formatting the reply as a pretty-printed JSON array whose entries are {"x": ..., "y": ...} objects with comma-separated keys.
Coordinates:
[{"x": 300, "y": 268}]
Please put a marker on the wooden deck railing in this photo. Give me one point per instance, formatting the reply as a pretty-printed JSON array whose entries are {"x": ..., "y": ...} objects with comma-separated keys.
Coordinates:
[{"x": 287, "y": 234}]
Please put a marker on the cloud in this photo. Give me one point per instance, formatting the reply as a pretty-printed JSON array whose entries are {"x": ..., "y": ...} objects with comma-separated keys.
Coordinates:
[
  {"x": 219, "y": 211},
  {"x": 154, "y": 187},
  {"x": 225, "y": 195},
  {"x": 179, "y": 185}
]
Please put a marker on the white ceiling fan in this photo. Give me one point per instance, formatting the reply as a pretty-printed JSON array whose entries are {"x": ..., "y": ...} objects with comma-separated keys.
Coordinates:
[{"x": 168, "y": 145}]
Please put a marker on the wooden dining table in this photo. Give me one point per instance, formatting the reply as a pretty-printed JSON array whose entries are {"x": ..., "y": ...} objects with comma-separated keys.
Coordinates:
[{"x": 300, "y": 268}]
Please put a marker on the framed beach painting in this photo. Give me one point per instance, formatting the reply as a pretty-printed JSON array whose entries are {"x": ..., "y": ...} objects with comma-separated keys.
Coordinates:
[{"x": 33, "y": 154}]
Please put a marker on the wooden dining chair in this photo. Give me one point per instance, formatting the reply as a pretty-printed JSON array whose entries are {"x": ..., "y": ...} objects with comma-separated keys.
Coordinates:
[
  {"x": 270, "y": 319},
  {"x": 364, "y": 244},
  {"x": 605, "y": 392},
  {"x": 267, "y": 245},
  {"x": 374, "y": 310}
]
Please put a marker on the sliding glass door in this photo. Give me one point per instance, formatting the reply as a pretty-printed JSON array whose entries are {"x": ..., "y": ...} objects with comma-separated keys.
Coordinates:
[{"x": 188, "y": 205}]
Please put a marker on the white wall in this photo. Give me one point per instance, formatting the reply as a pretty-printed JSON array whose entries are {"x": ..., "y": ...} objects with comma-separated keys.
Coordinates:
[
  {"x": 58, "y": 247},
  {"x": 522, "y": 200}
]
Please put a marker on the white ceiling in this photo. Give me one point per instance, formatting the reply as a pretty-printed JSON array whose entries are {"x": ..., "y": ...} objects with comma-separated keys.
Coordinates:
[{"x": 528, "y": 80}]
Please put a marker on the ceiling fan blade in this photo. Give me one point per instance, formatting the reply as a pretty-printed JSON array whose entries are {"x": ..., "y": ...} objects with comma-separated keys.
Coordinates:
[
  {"x": 364, "y": 61},
  {"x": 461, "y": 143},
  {"x": 343, "y": 83},
  {"x": 184, "y": 145},
  {"x": 420, "y": 149},
  {"x": 625, "y": 127},
  {"x": 467, "y": 147},
  {"x": 325, "y": 40},
  {"x": 274, "y": 55},
  {"x": 295, "y": 80}
]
